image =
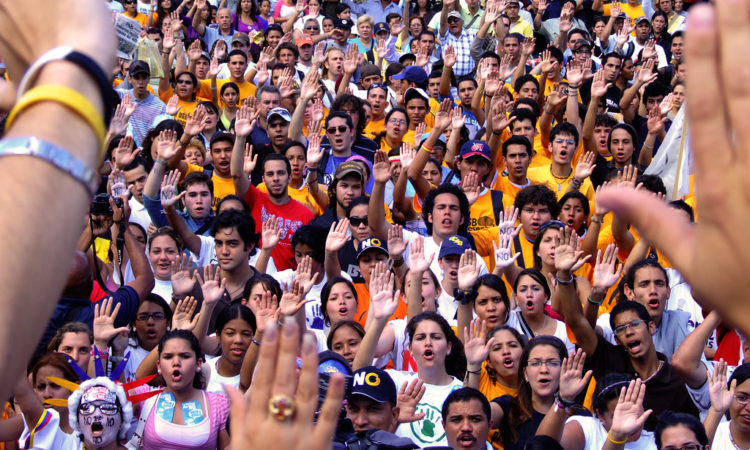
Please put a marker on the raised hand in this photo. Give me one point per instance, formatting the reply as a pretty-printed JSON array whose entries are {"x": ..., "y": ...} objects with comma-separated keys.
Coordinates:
[
  {"x": 418, "y": 261},
  {"x": 169, "y": 41},
  {"x": 181, "y": 320},
  {"x": 624, "y": 34},
  {"x": 182, "y": 279},
  {"x": 471, "y": 187},
  {"x": 338, "y": 236},
  {"x": 656, "y": 121},
  {"x": 476, "y": 345},
  {"x": 262, "y": 72},
  {"x": 270, "y": 233},
  {"x": 166, "y": 147},
  {"x": 396, "y": 244},
  {"x": 457, "y": 118},
  {"x": 498, "y": 104},
  {"x": 492, "y": 83},
  {"x": 504, "y": 256},
  {"x": 646, "y": 73},
  {"x": 422, "y": 57},
  {"x": 628, "y": 416},
  {"x": 607, "y": 270},
  {"x": 316, "y": 115},
  {"x": 213, "y": 68},
  {"x": 615, "y": 9},
  {"x": 719, "y": 391},
  {"x": 383, "y": 300},
  {"x": 527, "y": 47},
  {"x": 599, "y": 86},
  {"x": 173, "y": 105},
  {"x": 293, "y": 299},
  {"x": 351, "y": 59},
  {"x": 309, "y": 86},
  {"x": 409, "y": 395},
  {"x": 250, "y": 161},
  {"x": 128, "y": 106},
  {"x": 506, "y": 67},
  {"x": 244, "y": 121},
  {"x": 124, "y": 153},
  {"x": 214, "y": 285},
  {"x": 444, "y": 117},
  {"x": 408, "y": 153},
  {"x": 568, "y": 253},
  {"x": 319, "y": 54},
  {"x": 314, "y": 152},
  {"x": 381, "y": 169},
  {"x": 193, "y": 125},
  {"x": 265, "y": 309},
  {"x": 194, "y": 51},
  {"x": 585, "y": 167},
  {"x": 572, "y": 379},
  {"x": 117, "y": 183},
  {"x": 666, "y": 104},
  {"x": 556, "y": 98},
  {"x": 169, "y": 189},
  {"x": 449, "y": 56},
  {"x": 649, "y": 50},
  {"x": 574, "y": 74},
  {"x": 304, "y": 274},
  {"x": 468, "y": 270},
  {"x": 104, "y": 323}
]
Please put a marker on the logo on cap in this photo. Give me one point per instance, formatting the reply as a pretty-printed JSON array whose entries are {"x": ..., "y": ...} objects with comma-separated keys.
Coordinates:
[
  {"x": 369, "y": 378},
  {"x": 456, "y": 240}
]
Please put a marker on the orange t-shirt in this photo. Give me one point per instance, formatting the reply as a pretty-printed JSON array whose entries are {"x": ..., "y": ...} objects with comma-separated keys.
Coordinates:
[{"x": 363, "y": 305}]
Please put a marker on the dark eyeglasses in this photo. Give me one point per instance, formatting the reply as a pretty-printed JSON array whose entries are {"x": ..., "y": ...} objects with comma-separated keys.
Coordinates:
[
  {"x": 378, "y": 86},
  {"x": 340, "y": 129},
  {"x": 312, "y": 28},
  {"x": 185, "y": 81},
  {"x": 145, "y": 316},
  {"x": 357, "y": 221},
  {"x": 108, "y": 409},
  {"x": 453, "y": 19}
]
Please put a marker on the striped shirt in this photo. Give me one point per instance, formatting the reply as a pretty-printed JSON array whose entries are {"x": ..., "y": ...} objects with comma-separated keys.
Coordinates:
[
  {"x": 146, "y": 111},
  {"x": 464, "y": 62}
]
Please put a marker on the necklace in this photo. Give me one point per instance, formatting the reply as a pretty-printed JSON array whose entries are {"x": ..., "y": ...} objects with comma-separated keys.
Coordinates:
[{"x": 559, "y": 180}]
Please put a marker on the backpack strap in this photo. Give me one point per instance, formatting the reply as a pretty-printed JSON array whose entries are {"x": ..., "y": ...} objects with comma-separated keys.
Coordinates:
[{"x": 497, "y": 204}]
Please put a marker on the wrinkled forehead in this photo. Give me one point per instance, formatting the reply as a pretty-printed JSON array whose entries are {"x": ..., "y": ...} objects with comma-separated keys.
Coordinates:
[{"x": 98, "y": 393}]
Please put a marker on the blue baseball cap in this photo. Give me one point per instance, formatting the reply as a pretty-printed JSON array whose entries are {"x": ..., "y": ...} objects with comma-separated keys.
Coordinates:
[
  {"x": 381, "y": 26},
  {"x": 374, "y": 384},
  {"x": 454, "y": 245},
  {"x": 476, "y": 148},
  {"x": 414, "y": 74}
]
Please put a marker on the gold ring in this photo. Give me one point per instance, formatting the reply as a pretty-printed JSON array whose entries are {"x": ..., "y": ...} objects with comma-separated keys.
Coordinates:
[{"x": 281, "y": 407}]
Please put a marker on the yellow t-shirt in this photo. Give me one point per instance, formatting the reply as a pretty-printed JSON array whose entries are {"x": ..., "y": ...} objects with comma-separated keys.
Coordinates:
[
  {"x": 139, "y": 17},
  {"x": 302, "y": 195},
  {"x": 482, "y": 214},
  {"x": 492, "y": 391},
  {"x": 247, "y": 90},
  {"x": 558, "y": 185},
  {"x": 633, "y": 12},
  {"x": 509, "y": 189},
  {"x": 186, "y": 108},
  {"x": 410, "y": 135},
  {"x": 373, "y": 128},
  {"x": 222, "y": 186},
  {"x": 523, "y": 27}
]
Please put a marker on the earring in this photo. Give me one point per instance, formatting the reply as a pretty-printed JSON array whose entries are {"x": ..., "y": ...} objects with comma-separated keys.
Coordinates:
[{"x": 198, "y": 369}]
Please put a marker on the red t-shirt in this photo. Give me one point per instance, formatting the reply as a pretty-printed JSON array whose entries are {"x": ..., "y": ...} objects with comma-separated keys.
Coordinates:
[{"x": 294, "y": 213}]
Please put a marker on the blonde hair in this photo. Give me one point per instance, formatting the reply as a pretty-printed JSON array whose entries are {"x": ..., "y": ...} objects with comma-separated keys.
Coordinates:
[
  {"x": 366, "y": 18},
  {"x": 330, "y": 50},
  {"x": 196, "y": 143}
]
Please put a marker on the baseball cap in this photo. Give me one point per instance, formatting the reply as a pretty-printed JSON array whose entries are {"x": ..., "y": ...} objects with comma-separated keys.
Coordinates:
[
  {"x": 582, "y": 43},
  {"x": 454, "y": 245},
  {"x": 304, "y": 39},
  {"x": 475, "y": 148},
  {"x": 415, "y": 93},
  {"x": 414, "y": 74},
  {"x": 281, "y": 112},
  {"x": 641, "y": 19},
  {"x": 456, "y": 14},
  {"x": 206, "y": 55},
  {"x": 381, "y": 26},
  {"x": 221, "y": 136},
  {"x": 374, "y": 384},
  {"x": 347, "y": 168},
  {"x": 368, "y": 69},
  {"x": 139, "y": 67},
  {"x": 343, "y": 24},
  {"x": 241, "y": 37},
  {"x": 372, "y": 243},
  {"x": 331, "y": 362}
]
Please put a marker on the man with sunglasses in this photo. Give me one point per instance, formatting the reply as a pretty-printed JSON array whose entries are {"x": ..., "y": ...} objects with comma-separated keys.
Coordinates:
[
  {"x": 337, "y": 145},
  {"x": 453, "y": 34},
  {"x": 636, "y": 353}
]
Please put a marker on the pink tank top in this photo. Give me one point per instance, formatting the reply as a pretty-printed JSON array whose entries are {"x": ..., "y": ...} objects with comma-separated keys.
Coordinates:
[{"x": 218, "y": 413}]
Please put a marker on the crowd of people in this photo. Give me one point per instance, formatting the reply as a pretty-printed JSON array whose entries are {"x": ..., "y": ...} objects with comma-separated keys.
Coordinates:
[{"x": 374, "y": 224}]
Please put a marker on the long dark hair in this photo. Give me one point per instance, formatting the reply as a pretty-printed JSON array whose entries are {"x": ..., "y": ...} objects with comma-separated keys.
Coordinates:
[
  {"x": 521, "y": 407},
  {"x": 325, "y": 293},
  {"x": 380, "y": 136},
  {"x": 195, "y": 346},
  {"x": 522, "y": 340},
  {"x": 455, "y": 361}
]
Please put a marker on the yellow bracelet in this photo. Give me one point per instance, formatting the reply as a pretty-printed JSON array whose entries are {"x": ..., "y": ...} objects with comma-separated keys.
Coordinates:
[
  {"x": 69, "y": 98},
  {"x": 428, "y": 149},
  {"x": 609, "y": 438}
]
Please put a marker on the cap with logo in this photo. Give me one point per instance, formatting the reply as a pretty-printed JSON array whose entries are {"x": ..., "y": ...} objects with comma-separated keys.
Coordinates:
[
  {"x": 642, "y": 19},
  {"x": 475, "y": 148},
  {"x": 304, "y": 39},
  {"x": 343, "y": 24},
  {"x": 281, "y": 112},
  {"x": 581, "y": 44},
  {"x": 381, "y": 26},
  {"x": 374, "y": 384},
  {"x": 241, "y": 37},
  {"x": 372, "y": 243},
  {"x": 454, "y": 245},
  {"x": 139, "y": 67},
  {"x": 347, "y": 168}
]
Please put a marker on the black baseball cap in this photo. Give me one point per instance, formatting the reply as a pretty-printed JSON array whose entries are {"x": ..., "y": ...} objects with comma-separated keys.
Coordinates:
[
  {"x": 139, "y": 67},
  {"x": 374, "y": 384}
]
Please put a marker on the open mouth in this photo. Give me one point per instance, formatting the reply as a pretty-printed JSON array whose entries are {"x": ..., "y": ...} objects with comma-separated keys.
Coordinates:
[
  {"x": 653, "y": 303},
  {"x": 151, "y": 334},
  {"x": 343, "y": 311},
  {"x": 544, "y": 382},
  {"x": 530, "y": 305},
  {"x": 563, "y": 154},
  {"x": 97, "y": 429},
  {"x": 569, "y": 223},
  {"x": 508, "y": 363},
  {"x": 634, "y": 346},
  {"x": 429, "y": 354},
  {"x": 492, "y": 318},
  {"x": 466, "y": 440},
  {"x": 176, "y": 376}
]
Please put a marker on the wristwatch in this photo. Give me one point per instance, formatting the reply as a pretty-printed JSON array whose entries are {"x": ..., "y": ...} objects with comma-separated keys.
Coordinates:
[{"x": 463, "y": 296}]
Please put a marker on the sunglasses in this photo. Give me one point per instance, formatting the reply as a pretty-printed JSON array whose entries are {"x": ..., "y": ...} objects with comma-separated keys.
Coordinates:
[
  {"x": 340, "y": 129},
  {"x": 185, "y": 81},
  {"x": 378, "y": 86},
  {"x": 357, "y": 221},
  {"x": 145, "y": 316},
  {"x": 453, "y": 19}
]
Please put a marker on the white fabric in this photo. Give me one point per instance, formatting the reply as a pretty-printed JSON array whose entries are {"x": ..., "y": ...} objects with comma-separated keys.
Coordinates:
[
  {"x": 215, "y": 380},
  {"x": 138, "y": 213},
  {"x": 163, "y": 289},
  {"x": 51, "y": 436},
  {"x": 429, "y": 431},
  {"x": 722, "y": 438},
  {"x": 431, "y": 247},
  {"x": 400, "y": 348},
  {"x": 137, "y": 355},
  {"x": 596, "y": 435}
]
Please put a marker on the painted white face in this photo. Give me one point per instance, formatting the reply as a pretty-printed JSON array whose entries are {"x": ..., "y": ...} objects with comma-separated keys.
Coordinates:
[{"x": 99, "y": 417}]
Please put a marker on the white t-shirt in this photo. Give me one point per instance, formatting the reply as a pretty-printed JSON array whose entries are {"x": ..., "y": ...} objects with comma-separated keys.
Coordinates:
[
  {"x": 163, "y": 289},
  {"x": 49, "y": 435},
  {"x": 399, "y": 354},
  {"x": 429, "y": 431},
  {"x": 216, "y": 381},
  {"x": 137, "y": 355},
  {"x": 596, "y": 435},
  {"x": 723, "y": 438},
  {"x": 431, "y": 247},
  {"x": 138, "y": 213},
  {"x": 207, "y": 255},
  {"x": 515, "y": 320},
  {"x": 313, "y": 313}
]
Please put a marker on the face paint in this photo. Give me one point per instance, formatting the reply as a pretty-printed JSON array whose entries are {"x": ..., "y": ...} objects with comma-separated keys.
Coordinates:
[{"x": 99, "y": 417}]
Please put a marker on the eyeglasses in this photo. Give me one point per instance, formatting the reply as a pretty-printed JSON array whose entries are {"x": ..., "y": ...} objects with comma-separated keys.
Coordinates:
[
  {"x": 185, "y": 81},
  {"x": 453, "y": 19},
  {"x": 378, "y": 86},
  {"x": 398, "y": 122},
  {"x": 688, "y": 446},
  {"x": 742, "y": 399},
  {"x": 145, "y": 316},
  {"x": 551, "y": 364},
  {"x": 565, "y": 141},
  {"x": 108, "y": 409},
  {"x": 340, "y": 129},
  {"x": 622, "y": 328},
  {"x": 312, "y": 28},
  {"x": 512, "y": 6},
  {"x": 357, "y": 221}
]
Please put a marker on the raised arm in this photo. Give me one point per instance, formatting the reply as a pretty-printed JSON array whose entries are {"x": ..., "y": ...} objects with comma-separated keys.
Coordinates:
[
  {"x": 212, "y": 288},
  {"x": 555, "y": 99},
  {"x": 468, "y": 272},
  {"x": 448, "y": 6},
  {"x": 419, "y": 263},
  {"x": 644, "y": 77},
  {"x": 598, "y": 90},
  {"x": 168, "y": 43},
  {"x": 335, "y": 241},
  {"x": 449, "y": 60},
  {"x": 307, "y": 92},
  {"x": 400, "y": 201},
  {"x": 687, "y": 359},
  {"x": 266, "y": 309},
  {"x": 607, "y": 272},
  {"x": 477, "y": 348},
  {"x": 383, "y": 303},
  {"x": 169, "y": 198},
  {"x": 722, "y": 395},
  {"x": 566, "y": 258},
  {"x": 614, "y": 11},
  {"x": 270, "y": 235},
  {"x": 628, "y": 416},
  {"x": 381, "y": 173},
  {"x": 243, "y": 161}
]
